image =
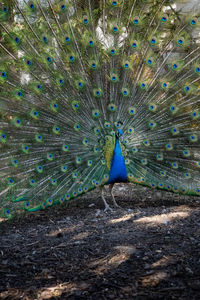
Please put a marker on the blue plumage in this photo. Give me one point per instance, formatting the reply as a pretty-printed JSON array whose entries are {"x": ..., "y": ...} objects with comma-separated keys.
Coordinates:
[{"x": 118, "y": 171}]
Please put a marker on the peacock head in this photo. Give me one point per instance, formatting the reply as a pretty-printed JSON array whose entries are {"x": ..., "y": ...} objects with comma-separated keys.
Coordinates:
[{"x": 119, "y": 132}]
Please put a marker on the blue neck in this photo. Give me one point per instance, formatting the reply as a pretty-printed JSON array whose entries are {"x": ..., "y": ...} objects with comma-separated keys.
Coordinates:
[{"x": 118, "y": 168}]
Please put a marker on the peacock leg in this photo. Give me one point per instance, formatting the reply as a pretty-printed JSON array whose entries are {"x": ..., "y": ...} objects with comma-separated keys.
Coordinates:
[
  {"x": 111, "y": 192},
  {"x": 107, "y": 207}
]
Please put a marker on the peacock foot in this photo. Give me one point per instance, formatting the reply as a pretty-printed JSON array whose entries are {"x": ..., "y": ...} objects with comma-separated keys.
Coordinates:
[
  {"x": 108, "y": 208},
  {"x": 118, "y": 206}
]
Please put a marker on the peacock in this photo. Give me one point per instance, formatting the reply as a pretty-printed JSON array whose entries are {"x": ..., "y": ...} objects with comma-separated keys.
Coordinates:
[{"x": 94, "y": 92}]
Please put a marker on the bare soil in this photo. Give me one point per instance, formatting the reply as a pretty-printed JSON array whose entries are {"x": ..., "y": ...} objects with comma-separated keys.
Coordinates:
[{"x": 148, "y": 249}]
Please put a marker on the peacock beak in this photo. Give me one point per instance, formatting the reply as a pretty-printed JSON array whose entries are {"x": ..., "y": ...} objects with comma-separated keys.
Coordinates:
[{"x": 119, "y": 133}]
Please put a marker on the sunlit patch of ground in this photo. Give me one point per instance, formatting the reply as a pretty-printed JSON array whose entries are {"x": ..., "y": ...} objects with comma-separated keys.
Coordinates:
[
  {"x": 154, "y": 279},
  {"x": 123, "y": 218},
  {"x": 163, "y": 218}
]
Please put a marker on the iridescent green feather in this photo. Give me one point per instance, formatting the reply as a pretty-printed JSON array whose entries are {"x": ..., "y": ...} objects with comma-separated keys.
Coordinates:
[{"x": 71, "y": 74}]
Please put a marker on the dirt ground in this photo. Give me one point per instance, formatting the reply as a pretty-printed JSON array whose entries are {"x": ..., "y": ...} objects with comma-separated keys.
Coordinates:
[{"x": 149, "y": 249}]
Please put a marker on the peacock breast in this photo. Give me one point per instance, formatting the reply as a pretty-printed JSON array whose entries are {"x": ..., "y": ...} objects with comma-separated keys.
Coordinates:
[{"x": 118, "y": 172}]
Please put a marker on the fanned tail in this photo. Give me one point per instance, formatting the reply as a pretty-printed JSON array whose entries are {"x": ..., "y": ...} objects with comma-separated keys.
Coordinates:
[{"x": 71, "y": 72}]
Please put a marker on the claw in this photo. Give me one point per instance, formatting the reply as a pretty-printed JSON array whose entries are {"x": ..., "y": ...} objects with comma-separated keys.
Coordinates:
[
  {"x": 116, "y": 205},
  {"x": 107, "y": 207}
]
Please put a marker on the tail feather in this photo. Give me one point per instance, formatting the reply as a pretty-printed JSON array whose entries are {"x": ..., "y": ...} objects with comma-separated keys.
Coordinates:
[{"x": 71, "y": 72}]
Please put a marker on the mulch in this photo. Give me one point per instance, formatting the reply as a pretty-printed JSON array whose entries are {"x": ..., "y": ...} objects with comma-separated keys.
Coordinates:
[{"x": 148, "y": 249}]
